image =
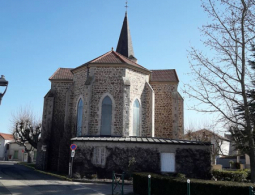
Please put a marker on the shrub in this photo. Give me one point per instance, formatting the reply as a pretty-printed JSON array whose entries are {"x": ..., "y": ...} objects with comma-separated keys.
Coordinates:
[
  {"x": 249, "y": 173},
  {"x": 165, "y": 185},
  {"x": 230, "y": 175}
]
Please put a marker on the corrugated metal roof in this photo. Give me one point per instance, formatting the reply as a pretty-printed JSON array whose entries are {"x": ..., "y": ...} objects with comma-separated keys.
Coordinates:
[{"x": 140, "y": 140}]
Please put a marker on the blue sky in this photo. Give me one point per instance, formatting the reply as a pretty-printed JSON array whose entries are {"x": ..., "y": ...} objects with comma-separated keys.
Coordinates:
[{"x": 37, "y": 37}]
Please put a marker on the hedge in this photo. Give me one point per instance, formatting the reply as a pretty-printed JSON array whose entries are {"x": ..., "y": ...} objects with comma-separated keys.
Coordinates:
[
  {"x": 238, "y": 176},
  {"x": 165, "y": 185}
]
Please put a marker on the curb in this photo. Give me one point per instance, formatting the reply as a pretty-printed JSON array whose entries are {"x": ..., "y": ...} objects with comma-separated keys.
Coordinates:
[
  {"x": 47, "y": 173},
  {"x": 73, "y": 180}
]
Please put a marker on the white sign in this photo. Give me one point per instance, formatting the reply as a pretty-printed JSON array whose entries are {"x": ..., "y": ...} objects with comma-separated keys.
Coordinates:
[
  {"x": 72, "y": 153},
  {"x": 167, "y": 162}
]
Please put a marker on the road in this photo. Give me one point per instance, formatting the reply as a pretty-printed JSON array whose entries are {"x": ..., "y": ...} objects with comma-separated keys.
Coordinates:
[{"x": 20, "y": 180}]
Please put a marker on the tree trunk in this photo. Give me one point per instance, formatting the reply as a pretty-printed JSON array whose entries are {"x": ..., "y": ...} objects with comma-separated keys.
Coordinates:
[
  {"x": 29, "y": 157},
  {"x": 252, "y": 157}
]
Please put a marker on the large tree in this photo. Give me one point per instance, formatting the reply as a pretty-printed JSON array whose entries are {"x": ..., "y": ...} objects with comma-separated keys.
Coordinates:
[
  {"x": 223, "y": 77},
  {"x": 239, "y": 134},
  {"x": 26, "y": 129}
]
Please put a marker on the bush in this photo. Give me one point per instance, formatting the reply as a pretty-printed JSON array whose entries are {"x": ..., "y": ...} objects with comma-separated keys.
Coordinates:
[
  {"x": 230, "y": 175},
  {"x": 165, "y": 185}
]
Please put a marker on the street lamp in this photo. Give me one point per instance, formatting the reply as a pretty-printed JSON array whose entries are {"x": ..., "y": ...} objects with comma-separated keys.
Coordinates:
[{"x": 3, "y": 83}]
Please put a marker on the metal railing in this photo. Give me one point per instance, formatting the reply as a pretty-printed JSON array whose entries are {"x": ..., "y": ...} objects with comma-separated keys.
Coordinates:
[
  {"x": 117, "y": 183},
  {"x": 251, "y": 192}
]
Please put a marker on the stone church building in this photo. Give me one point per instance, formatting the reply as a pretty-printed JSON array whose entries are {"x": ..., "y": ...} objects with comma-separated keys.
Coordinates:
[{"x": 114, "y": 110}]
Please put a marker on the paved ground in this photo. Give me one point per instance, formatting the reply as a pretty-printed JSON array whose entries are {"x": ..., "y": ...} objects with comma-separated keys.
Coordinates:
[{"x": 18, "y": 180}]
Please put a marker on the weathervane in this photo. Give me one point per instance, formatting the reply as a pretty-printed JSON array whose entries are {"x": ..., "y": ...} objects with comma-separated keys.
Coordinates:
[{"x": 126, "y": 6}]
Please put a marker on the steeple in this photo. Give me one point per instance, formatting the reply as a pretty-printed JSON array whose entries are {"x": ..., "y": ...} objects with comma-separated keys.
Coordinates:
[{"x": 125, "y": 46}]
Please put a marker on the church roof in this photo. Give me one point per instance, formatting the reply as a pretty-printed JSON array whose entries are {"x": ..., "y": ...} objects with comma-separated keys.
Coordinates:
[
  {"x": 125, "y": 46},
  {"x": 168, "y": 75},
  {"x": 108, "y": 58},
  {"x": 113, "y": 57},
  {"x": 62, "y": 74}
]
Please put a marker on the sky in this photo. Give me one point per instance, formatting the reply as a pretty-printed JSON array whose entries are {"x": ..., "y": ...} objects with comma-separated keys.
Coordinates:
[{"x": 38, "y": 37}]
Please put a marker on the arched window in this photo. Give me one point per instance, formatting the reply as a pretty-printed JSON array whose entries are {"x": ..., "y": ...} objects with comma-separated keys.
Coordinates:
[
  {"x": 79, "y": 117},
  {"x": 106, "y": 116},
  {"x": 136, "y": 118}
]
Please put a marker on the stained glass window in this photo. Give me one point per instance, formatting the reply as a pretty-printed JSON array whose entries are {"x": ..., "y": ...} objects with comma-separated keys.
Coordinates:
[
  {"x": 106, "y": 117},
  {"x": 136, "y": 118}
]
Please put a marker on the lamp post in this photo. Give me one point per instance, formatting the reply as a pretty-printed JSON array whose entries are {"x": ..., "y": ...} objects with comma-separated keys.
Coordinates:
[{"x": 3, "y": 83}]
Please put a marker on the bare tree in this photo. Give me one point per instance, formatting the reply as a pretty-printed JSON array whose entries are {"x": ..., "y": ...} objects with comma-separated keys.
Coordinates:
[
  {"x": 221, "y": 82},
  {"x": 26, "y": 129},
  {"x": 239, "y": 135},
  {"x": 207, "y": 133}
]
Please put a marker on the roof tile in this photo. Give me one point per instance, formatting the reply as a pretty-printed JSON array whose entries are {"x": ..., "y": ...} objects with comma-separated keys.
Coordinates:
[
  {"x": 112, "y": 57},
  {"x": 7, "y": 136},
  {"x": 164, "y": 76},
  {"x": 62, "y": 74}
]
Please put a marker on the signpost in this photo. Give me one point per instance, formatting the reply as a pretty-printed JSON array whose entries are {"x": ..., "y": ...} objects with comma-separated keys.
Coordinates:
[
  {"x": 73, "y": 147},
  {"x": 72, "y": 153},
  {"x": 44, "y": 149}
]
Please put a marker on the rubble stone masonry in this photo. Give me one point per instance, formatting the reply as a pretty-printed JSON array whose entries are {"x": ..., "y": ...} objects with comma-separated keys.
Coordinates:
[
  {"x": 138, "y": 91},
  {"x": 168, "y": 110},
  {"x": 123, "y": 85}
]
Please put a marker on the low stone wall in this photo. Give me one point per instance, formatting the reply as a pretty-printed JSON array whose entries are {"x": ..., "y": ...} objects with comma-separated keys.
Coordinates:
[
  {"x": 99, "y": 159},
  {"x": 194, "y": 163},
  {"x": 117, "y": 159}
]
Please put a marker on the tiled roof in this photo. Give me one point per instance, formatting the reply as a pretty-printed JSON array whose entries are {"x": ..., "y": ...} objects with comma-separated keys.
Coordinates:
[
  {"x": 113, "y": 57},
  {"x": 205, "y": 132},
  {"x": 62, "y": 74},
  {"x": 7, "y": 136},
  {"x": 164, "y": 76},
  {"x": 140, "y": 140}
]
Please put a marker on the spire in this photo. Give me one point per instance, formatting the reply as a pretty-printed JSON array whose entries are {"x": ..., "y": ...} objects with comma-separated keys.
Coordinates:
[{"x": 125, "y": 46}]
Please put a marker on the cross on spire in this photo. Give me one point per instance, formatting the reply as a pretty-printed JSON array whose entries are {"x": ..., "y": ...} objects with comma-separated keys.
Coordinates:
[
  {"x": 125, "y": 46},
  {"x": 126, "y": 6}
]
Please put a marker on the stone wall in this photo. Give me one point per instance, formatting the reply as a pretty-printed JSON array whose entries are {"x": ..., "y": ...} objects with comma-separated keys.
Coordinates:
[
  {"x": 143, "y": 157},
  {"x": 80, "y": 91},
  {"x": 117, "y": 159},
  {"x": 123, "y": 86},
  {"x": 138, "y": 91},
  {"x": 107, "y": 81},
  {"x": 194, "y": 163},
  {"x": 168, "y": 110},
  {"x": 148, "y": 111},
  {"x": 42, "y": 158},
  {"x": 55, "y": 155}
]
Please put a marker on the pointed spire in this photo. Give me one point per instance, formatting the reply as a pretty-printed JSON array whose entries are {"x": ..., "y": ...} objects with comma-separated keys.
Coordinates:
[{"x": 125, "y": 46}]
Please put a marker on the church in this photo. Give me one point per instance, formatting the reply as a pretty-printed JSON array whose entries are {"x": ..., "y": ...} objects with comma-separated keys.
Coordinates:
[{"x": 117, "y": 112}]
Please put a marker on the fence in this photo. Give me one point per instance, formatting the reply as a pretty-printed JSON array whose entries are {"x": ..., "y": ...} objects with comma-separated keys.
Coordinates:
[
  {"x": 251, "y": 192},
  {"x": 117, "y": 183}
]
